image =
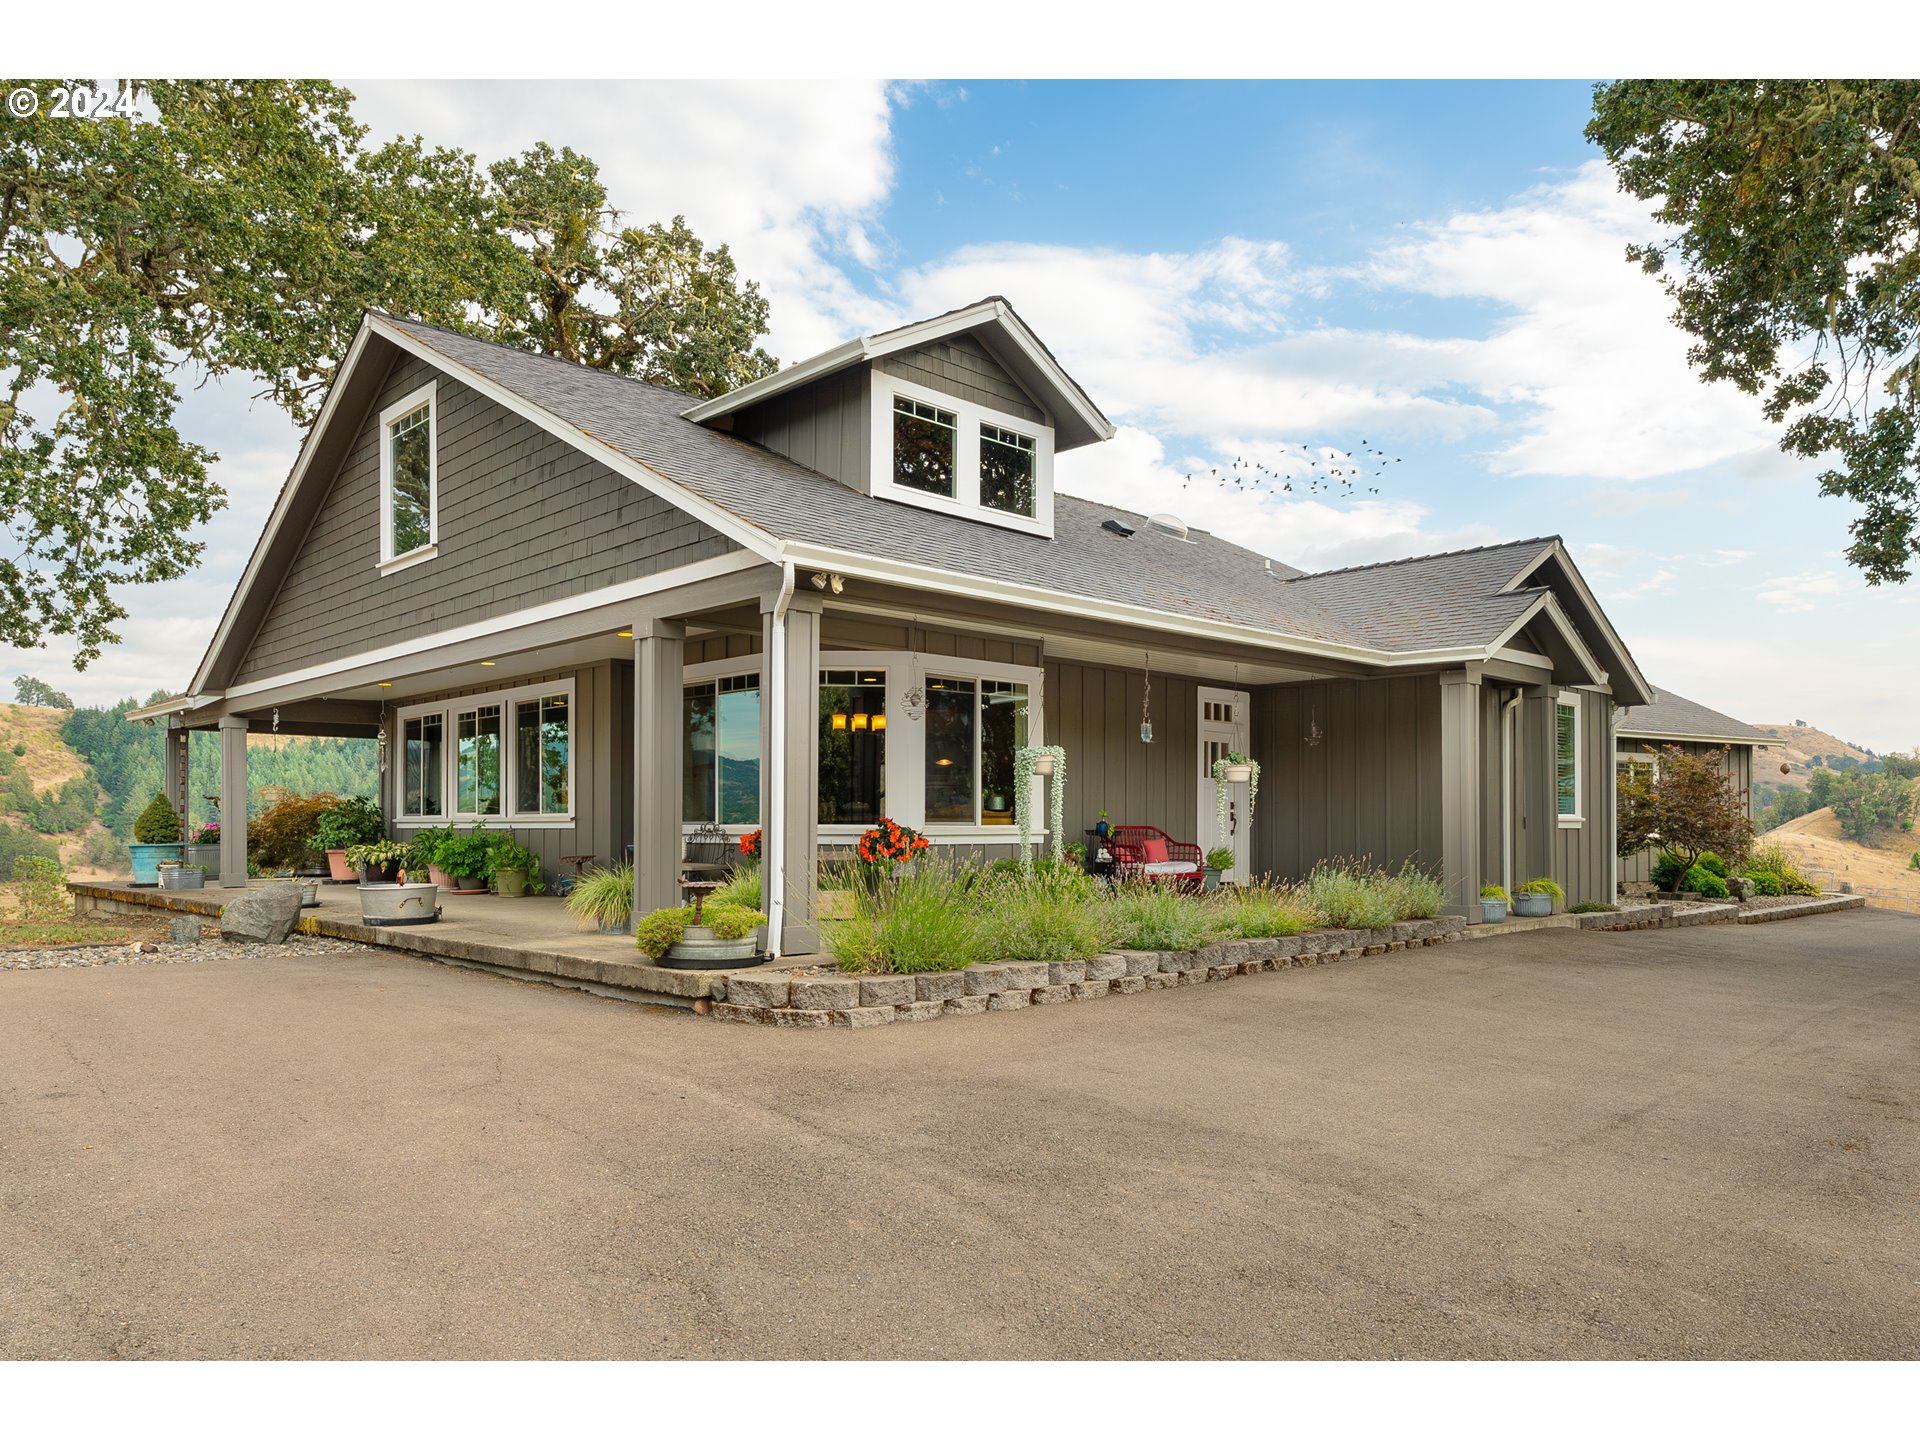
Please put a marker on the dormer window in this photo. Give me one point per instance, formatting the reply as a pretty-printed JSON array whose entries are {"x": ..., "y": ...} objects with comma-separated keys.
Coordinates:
[
  {"x": 409, "y": 481},
  {"x": 946, "y": 452}
]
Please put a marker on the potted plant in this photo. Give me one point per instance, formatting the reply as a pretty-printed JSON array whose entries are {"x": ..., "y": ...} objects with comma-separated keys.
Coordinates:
[
  {"x": 1537, "y": 898},
  {"x": 1103, "y": 827},
  {"x": 512, "y": 868},
  {"x": 465, "y": 860},
  {"x": 1493, "y": 904},
  {"x": 1219, "y": 861},
  {"x": 354, "y": 821},
  {"x": 1233, "y": 768},
  {"x": 203, "y": 848},
  {"x": 889, "y": 849},
  {"x": 713, "y": 938},
  {"x": 156, "y": 837},
  {"x": 604, "y": 898},
  {"x": 427, "y": 845},
  {"x": 378, "y": 862},
  {"x": 177, "y": 875}
]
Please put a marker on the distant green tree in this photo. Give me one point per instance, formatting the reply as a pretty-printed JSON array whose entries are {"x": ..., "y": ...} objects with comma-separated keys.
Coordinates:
[
  {"x": 15, "y": 842},
  {"x": 1820, "y": 787},
  {"x": 29, "y": 691},
  {"x": 1868, "y": 806},
  {"x": 1789, "y": 803},
  {"x": 1793, "y": 208}
]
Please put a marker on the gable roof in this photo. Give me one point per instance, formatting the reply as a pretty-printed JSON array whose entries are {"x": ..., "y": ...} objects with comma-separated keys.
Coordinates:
[
  {"x": 1076, "y": 419},
  {"x": 1435, "y": 608},
  {"x": 1674, "y": 717}
]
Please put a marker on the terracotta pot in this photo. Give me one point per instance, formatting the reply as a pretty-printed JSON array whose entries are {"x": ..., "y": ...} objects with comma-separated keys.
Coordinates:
[
  {"x": 440, "y": 877},
  {"x": 337, "y": 867}
]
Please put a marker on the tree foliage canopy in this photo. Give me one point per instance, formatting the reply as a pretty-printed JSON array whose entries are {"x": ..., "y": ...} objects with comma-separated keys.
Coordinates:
[
  {"x": 243, "y": 227},
  {"x": 1796, "y": 207},
  {"x": 1684, "y": 804},
  {"x": 29, "y": 690}
]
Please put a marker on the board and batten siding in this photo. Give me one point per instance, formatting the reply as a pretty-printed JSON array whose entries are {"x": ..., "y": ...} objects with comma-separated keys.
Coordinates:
[
  {"x": 1094, "y": 712},
  {"x": 1582, "y": 855},
  {"x": 524, "y": 518},
  {"x": 602, "y": 741},
  {"x": 1737, "y": 763},
  {"x": 823, "y": 426},
  {"x": 1371, "y": 787}
]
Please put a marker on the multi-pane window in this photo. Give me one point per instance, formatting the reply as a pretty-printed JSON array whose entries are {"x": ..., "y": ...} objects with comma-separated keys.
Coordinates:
[
  {"x": 1006, "y": 470},
  {"x": 476, "y": 786},
  {"x": 424, "y": 765},
  {"x": 853, "y": 746},
  {"x": 720, "y": 758},
  {"x": 541, "y": 758},
  {"x": 1566, "y": 715},
  {"x": 410, "y": 482},
  {"x": 973, "y": 729},
  {"x": 923, "y": 447}
]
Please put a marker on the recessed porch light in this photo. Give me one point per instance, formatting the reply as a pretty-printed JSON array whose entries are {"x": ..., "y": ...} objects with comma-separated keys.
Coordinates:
[
  {"x": 489, "y": 663},
  {"x": 624, "y": 634},
  {"x": 384, "y": 684}
]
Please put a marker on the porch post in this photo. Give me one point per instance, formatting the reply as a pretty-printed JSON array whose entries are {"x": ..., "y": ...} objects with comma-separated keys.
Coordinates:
[
  {"x": 173, "y": 765},
  {"x": 1460, "y": 788},
  {"x": 659, "y": 660},
  {"x": 791, "y": 859},
  {"x": 233, "y": 802}
]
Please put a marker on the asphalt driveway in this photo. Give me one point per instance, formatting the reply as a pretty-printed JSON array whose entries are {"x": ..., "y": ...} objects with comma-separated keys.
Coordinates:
[{"x": 1688, "y": 1144}]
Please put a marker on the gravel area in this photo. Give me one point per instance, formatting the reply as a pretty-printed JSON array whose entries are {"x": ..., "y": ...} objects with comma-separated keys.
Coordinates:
[{"x": 148, "y": 952}]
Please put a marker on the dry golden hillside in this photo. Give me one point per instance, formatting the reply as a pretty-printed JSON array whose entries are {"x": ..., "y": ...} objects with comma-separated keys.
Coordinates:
[
  {"x": 1816, "y": 844},
  {"x": 1794, "y": 746},
  {"x": 48, "y": 761}
]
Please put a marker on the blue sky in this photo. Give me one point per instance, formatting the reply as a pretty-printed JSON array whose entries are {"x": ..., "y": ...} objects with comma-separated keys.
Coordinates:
[{"x": 1231, "y": 269}]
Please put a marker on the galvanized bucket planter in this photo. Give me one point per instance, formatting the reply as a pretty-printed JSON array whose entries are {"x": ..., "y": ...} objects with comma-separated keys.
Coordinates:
[
  {"x": 175, "y": 876},
  {"x": 700, "y": 949},
  {"x": 394, "y": 904}
]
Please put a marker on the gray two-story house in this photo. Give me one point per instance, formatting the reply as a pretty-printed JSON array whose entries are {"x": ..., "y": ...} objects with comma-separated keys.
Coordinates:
[{"x": 598, "y": 613}]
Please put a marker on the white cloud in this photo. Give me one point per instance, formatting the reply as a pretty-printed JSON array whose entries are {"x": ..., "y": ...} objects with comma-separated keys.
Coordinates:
[{"x": 1795, "y": 593}]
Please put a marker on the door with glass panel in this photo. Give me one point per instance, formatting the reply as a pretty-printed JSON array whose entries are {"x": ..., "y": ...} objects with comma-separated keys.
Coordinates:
[{"x": 1223, "y": 729}]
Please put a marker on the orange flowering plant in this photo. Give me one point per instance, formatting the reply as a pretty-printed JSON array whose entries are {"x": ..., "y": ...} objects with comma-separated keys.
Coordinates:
[
  {"x": 750, "y": 844},
  {"x": 888, "y": 844}
]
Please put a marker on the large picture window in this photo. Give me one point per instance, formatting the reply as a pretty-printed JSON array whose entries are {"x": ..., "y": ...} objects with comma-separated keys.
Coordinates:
[
  {"x": 424, "y": 764},
  {"x": 720, "y": 761},
  {"x": 541, "y": 755},
  {"x": 1566, "y": 731},
  {"x": 923, "y": 446},
  {"x": 973, "y": 729},
  {"x": 853, "y": 746},
  {"x": 477, "y": 761},
  {"x": 409, "y": 469}
]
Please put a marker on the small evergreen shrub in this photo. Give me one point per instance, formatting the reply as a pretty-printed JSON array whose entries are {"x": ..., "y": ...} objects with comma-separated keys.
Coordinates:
[
  {"x": 158, "y": 824},
  {"x": 1704, "y": 883},
  {"x": 1714, "y": 863},
  {"x": 1765, "y": 882},
  {"x": 1668, "y": 871}
]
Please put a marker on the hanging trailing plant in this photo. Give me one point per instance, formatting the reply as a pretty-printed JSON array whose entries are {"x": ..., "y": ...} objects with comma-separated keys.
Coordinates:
[
  {"x": 1023, "y": 773},
  {"x": 1233, "y": 759}
]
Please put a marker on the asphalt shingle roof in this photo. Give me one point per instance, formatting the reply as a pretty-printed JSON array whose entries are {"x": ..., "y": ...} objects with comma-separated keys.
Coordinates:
[
  {"x": 1672, "y": 714},
  {"x": 1431, "y": 602}
]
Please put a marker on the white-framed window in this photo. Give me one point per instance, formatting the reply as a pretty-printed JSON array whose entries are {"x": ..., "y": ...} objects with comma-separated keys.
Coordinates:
[
  {"x": 1566, "y": 757},
  {"x": 410, "y": 480},
  {"x": 942, "y": 452},
  {"x": 878, "y": 758},
  {"x": 1628, "y": 762},
  {"x": 506, "y": 755}
]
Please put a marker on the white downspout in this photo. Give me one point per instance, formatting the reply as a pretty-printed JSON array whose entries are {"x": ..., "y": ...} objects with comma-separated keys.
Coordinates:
[
  {"x": 1506, "y": 788},
  {"x": 774, "y": 865}
]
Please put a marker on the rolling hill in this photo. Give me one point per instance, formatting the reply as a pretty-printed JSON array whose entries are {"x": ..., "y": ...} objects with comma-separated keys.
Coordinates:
[
  {"x": 1797, "y": 746},
  {"x": 1882, "y": 875}
]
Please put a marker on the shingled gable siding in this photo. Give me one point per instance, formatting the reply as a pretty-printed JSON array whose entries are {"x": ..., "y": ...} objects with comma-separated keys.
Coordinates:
[
  {"x": 524, "y": 519},
  {"x": 1370, "y": 788},
  {"x": 961, "y": 366}
]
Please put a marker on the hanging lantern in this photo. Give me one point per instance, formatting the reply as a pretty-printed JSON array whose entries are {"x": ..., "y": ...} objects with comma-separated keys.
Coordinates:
[{"x": 1146, "y": 700}]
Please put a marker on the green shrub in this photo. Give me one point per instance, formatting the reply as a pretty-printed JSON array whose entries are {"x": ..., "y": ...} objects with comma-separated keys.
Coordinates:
[
  {"x": 346, "y": 823},
  {"x": 1157, "y": 917},
  {"x": 283, "y": 836},
  {"x": 158, "y": 824},
  {"x": 660, "y": 931},
  {"x": 1713, "y": 862},
  {"x": 1349, "y": 897},
  {"x": 1765, "y": 882},
  {"x": 1592, "y": 907},
  {"x": 924, "y": 920},
  {"x": 603, "y": 897},
  {"x": 506, "y": 853},
  {"x": 1047, "y": 916},
  {"x": 465, "y": 857},
  {"x": 1415, "y": 894},
  {"x": 1770, "y": 857},
  {"x": 39, "y": 888},
  {"x": 15, "y": 841},
  {"x": 1914, "y": 863},
  {"x": 1221, "y": 857},
  {"x": 1668, "y": 870},
  {"x": 1704, "y": 883},
  {"x": 1255, "y": 911},
  {"x": 427, "y": 843}
]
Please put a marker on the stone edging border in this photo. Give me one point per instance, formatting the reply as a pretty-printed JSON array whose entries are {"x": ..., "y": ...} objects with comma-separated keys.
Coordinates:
[{"x": 857, "y": 1002}]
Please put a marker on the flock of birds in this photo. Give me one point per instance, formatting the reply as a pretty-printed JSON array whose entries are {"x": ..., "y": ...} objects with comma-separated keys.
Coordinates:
[{"x": 1323, "y": 470}]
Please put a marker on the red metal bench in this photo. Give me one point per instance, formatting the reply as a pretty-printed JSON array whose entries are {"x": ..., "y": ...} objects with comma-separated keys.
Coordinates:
[{"x": 1142, "y": 853}]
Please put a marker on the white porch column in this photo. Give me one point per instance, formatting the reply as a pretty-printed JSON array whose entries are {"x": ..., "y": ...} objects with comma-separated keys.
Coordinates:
[
  {"x": 1460, "y": 789},
  {"x": 790, "y": 856},
  {"x": 233, "y": 802},
  {"x": 659, "y": 662}
]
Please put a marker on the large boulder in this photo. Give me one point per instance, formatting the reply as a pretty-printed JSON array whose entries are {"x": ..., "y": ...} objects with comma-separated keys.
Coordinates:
[{"x": 261, "y": 917}]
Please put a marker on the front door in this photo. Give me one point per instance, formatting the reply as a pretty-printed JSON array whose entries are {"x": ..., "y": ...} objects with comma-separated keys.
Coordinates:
[{"x": 1223, "y": 727}]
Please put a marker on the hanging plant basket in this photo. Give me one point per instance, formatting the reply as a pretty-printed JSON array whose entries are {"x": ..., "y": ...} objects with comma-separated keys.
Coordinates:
[
  {"x": 1239, "y": 774},
  {"x": 1230, "y": 769},
  {"x": 1027, "y": 762},
  {"x": 1043, "y": 764}
]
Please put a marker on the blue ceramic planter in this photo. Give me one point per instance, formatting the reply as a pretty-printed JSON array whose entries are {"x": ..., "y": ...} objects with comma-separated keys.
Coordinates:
[{"x": 146, "y": 861}]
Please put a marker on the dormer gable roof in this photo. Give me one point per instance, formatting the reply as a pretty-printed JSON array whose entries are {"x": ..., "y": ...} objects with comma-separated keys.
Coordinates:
[{"x": 1076, "y": 419}]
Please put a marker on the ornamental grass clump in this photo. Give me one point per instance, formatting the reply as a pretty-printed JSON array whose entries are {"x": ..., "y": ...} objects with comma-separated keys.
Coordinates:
[
  {"x": 921, "y": 920},
  {"x": 1157, "y": 917},
  {"x": 1415, "y": 894},
  {"x": 603, "y": 897},
  {"x": 742, "y": 888},
  {"x": 1349, "y": 896},
  {"x": 1054, "y": 916},
  {"x": 1260, "y": 910}
]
